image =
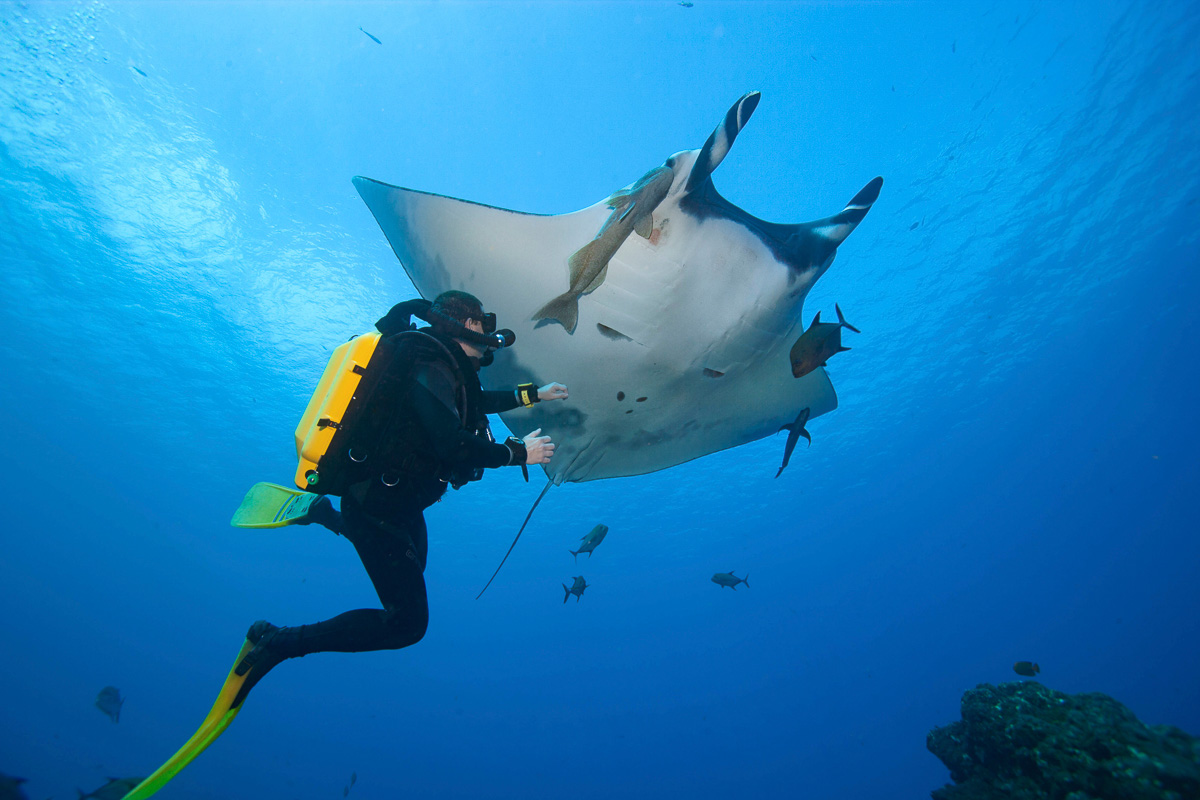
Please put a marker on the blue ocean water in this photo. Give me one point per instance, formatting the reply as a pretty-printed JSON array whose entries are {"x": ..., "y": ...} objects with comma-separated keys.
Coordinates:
[{"x": 1010, "y": 475}]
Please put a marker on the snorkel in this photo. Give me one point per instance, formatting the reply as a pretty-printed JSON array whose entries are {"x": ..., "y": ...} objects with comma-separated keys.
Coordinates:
[{"x": 399, "y": 319}]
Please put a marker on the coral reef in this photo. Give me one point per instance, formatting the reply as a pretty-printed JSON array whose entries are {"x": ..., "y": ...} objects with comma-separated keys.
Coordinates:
[{"x": 1023, "y": 741}]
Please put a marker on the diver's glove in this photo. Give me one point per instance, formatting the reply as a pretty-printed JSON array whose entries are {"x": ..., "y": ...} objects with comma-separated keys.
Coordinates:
[{"x": 517, "y": 454}]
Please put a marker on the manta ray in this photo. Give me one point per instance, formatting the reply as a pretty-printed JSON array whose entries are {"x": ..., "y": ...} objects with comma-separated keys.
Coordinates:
[{"x": 667, "y": 310}]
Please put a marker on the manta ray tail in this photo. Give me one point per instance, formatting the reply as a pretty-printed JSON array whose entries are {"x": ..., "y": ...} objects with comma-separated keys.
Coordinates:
[
  {"x": 718, "y": 144},
  {"x": 843, "y": 322},
  {"x": 545, "y": 489},
  {"x": 563, "y": 309}
]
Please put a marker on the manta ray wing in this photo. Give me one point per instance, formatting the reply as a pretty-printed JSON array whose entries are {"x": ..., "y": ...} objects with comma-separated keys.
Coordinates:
[{"x": 681, "y": 351}]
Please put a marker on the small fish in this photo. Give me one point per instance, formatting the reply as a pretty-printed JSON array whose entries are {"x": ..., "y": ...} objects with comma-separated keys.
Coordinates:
[
  {"x": 139, "y": 72},
  {"x": 109, "y": 701},
  {"x": 818, "y": 344},
  {"x": 590, "y": 541},
  {"x": 914, "y": 226},
  {"x": 115, "y": 789},
  {"x": 954, "y": 46},
  {"x": 685, "y": 3},
  {"x": 632, "y": 211},
  {"x": 576, "y": 589},
  {"x": 372, "y": 38},
  {"x": 724, "y": 579},
  {"x": 795, "y": 431},
  {"x": 1026, "y": 668},
  {"x": 10, "y": 788}
]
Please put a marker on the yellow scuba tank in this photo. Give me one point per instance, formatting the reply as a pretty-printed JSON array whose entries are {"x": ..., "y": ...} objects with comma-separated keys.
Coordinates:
[{"x": 327, "y": 409}]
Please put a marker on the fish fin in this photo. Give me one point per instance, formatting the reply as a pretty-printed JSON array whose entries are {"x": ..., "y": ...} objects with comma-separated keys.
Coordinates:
[
  {"x": 842, "y": 320},
  {"x": 782, "y": 428},
  {"x": 816, "y": 319},
  {"x": 842, "y": 349},
  {"x": 563, "y": 309},
  {"x": 568, "y": 592},
  {"x": 627, "y": 211},
  {"x": 599, "y": 279},
  {"x": 780, "y": 472},
  {"x": 577, "y": 263},
  {"x": 574, "y": 553},
  {"x": 644, "y": 226},
  {"x": 806, "y": 436},
  {"x": 746, "y": 580}
]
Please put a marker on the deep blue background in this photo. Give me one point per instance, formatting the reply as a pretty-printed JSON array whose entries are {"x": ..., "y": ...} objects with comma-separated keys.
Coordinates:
[{"x": 1010, "y": 474}]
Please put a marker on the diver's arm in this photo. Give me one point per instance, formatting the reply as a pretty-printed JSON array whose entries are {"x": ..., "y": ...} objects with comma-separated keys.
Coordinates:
[
  {"x": 451, "y": 444},
  {"x": 499, "y": 402}
]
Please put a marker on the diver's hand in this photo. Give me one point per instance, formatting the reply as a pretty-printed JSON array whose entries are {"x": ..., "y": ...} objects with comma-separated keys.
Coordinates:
[
  {"x": 538, "y": 449},
  {"x": 552, "y": 391}
]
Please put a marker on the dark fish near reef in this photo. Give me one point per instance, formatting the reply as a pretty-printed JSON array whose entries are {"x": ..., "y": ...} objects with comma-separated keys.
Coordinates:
[
  {"x": 795, "y": 431},
  {"x": 590, "y": 541},
  {"x": 10, "y": 788},
  {"x": 1026, "y": 668},
  {"x": 818, "y": 344},
  {"x": 576, "y": 589},
  {"x": 372, "y": 38},
  {"x": 724, "y": 579},
  {"x": 109, "y": 701},
  {"x": 115, "y": 789}
]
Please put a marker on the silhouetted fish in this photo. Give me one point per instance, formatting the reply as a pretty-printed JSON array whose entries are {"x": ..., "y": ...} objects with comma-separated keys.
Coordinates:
[
  {"x": 724, "y": 579},
  {"x": 10, "y": 788},
  {"x": 139, "y": 72},
  {"x": 685, "y": 3},
  {"x": 576, "y": 589},
  {"x": 818, "y": 344},
  {"x": 1026, "y": 668},
  {"x": 795, "y": 431},
  {"x": 373, "y": 39},
  {"x": 590, "y": 541},
  {"x": 109, "y": 701}
]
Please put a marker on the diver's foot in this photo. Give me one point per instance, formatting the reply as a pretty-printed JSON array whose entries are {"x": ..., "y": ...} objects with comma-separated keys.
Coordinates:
[
  {"x": 261, "y": 634},
  {"x": 323, "y": 513}
]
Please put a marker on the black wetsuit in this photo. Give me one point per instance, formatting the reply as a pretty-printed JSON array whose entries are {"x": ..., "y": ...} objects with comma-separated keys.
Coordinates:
[{"x": 383, "y": 517}]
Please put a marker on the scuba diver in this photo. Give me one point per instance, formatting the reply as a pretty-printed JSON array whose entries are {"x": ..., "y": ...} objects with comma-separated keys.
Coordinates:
[
  {"x": 397, "y": 417},
  {"x": 424, "y": 428}
]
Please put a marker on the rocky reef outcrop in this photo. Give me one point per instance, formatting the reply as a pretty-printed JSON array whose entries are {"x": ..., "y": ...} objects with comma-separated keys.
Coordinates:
[{"x": 1023, "y": 741}]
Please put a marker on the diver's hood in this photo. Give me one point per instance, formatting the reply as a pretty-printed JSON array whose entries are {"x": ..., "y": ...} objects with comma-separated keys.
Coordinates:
[{"x": 399, "y": 319}]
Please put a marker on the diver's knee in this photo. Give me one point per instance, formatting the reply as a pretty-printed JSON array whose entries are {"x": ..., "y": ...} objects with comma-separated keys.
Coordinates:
[{"x": 408, "y": 627}]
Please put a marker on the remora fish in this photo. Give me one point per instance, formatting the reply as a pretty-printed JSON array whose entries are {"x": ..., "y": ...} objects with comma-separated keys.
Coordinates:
[
  {"x": 576, "y": 589},
  {"x": 632, "y": 210},
  {"x": 109, "y": 701},
  {"x": 723, "y": 579},
  {"x": 818, "y": 344},
  {"x": 590, "y": 541},
  {"x": 795, "y": 431},
  {"x": 115, "y": 789},
  {"x": 373, "y": 39}
]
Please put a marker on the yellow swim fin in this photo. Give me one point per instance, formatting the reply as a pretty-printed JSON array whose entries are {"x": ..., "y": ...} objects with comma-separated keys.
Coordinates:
[
  {"x": 218, "y": 719},
  {"x": 268, "y": 505}
]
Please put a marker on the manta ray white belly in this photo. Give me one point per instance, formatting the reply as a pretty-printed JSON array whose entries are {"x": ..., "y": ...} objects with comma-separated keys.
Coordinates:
[{"x": 680, "y": 351}]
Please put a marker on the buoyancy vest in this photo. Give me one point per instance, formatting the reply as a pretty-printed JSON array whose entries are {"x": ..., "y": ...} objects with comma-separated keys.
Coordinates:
[{"x": 357, "y": 426}]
